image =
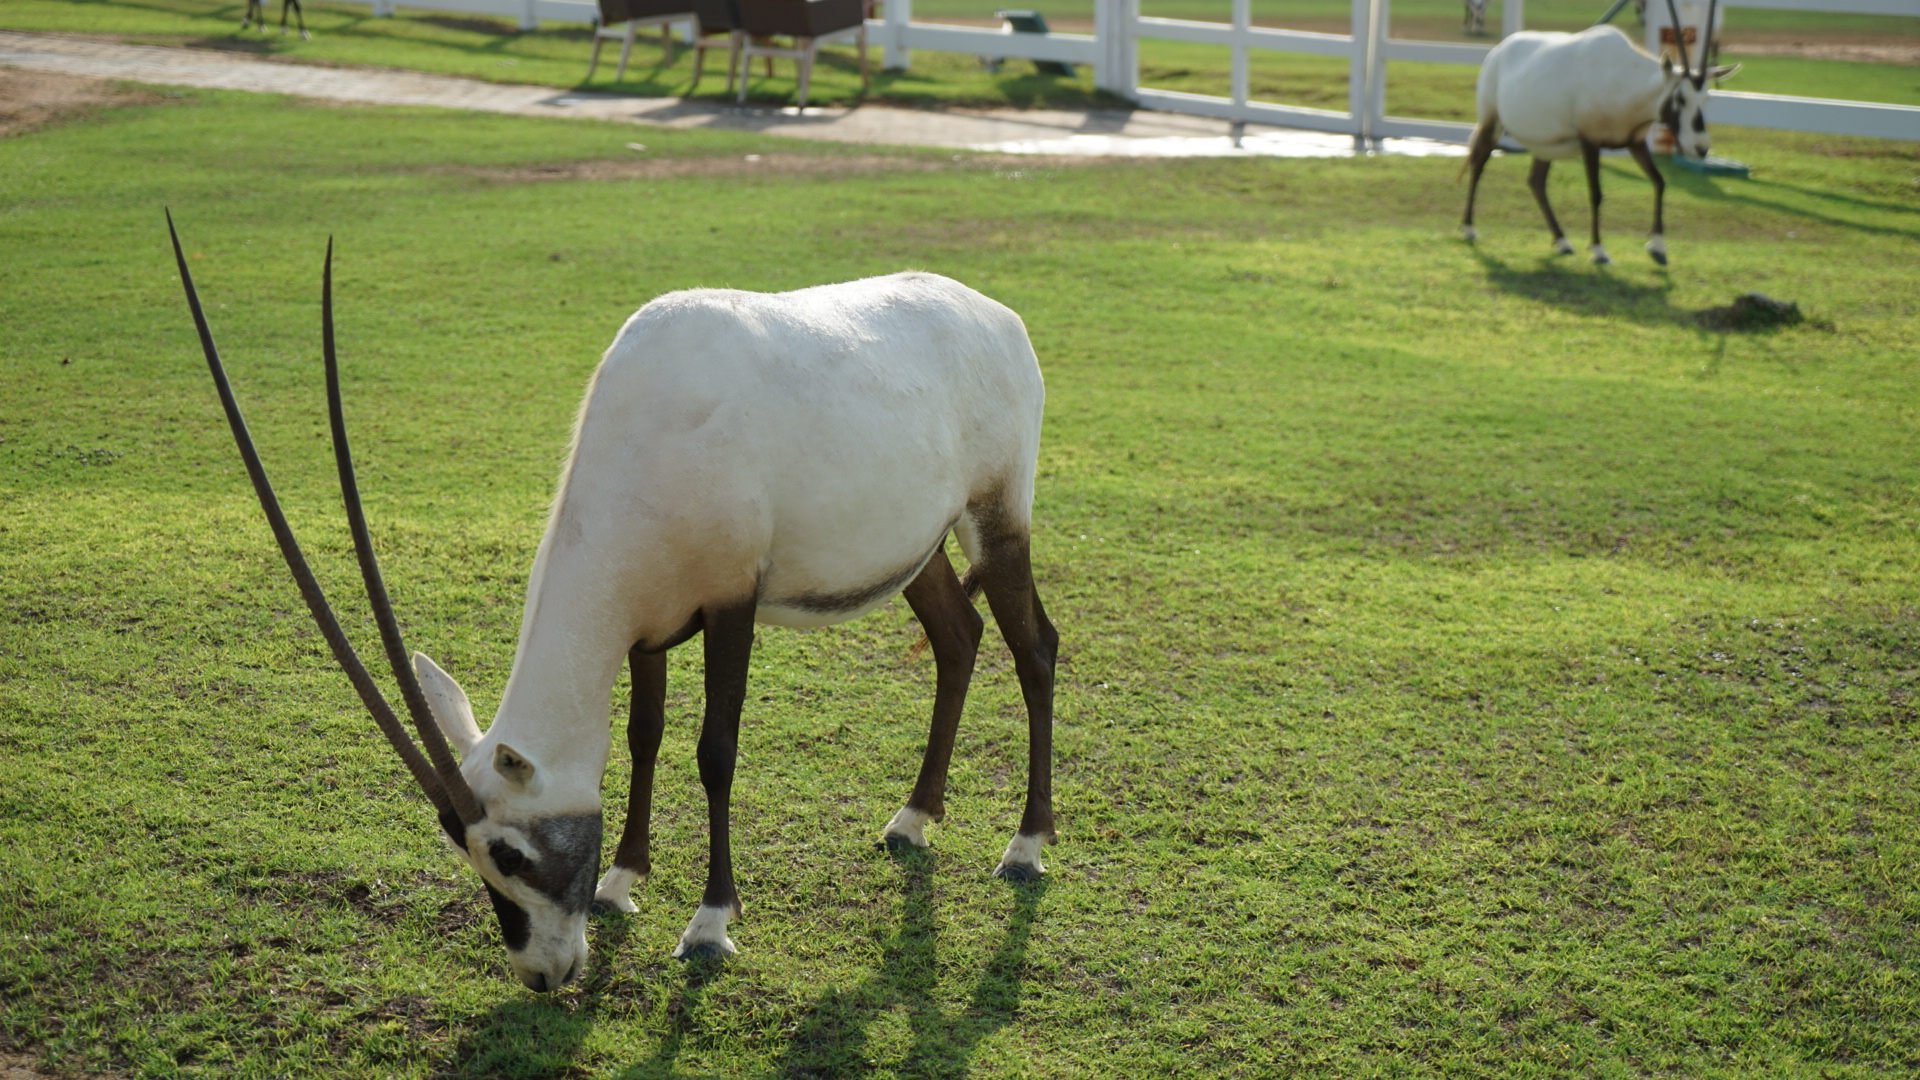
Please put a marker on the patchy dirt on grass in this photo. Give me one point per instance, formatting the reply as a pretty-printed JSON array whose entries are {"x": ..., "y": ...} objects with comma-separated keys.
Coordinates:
[
  {"x": 643, "y": 168},
  {"x": 1864, "y": 52},
  {"x": 18, "y": 1066},
  {"x": 30, "y": 100}
]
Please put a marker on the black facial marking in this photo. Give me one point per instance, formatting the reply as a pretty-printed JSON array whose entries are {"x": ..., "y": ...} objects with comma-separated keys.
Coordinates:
[
  {"x": 1670, "y": 111},
  {"x": 455, "y": 829},
  {"x": 515, "y": 928},
  {"x": 507, "y": 857},
  {"x": 1699, "y": 121},
  {"x": 567, "y": 854}
]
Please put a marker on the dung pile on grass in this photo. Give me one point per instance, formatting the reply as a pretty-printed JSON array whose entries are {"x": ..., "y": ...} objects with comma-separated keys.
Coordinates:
[{"x": 1752, "y": 311}]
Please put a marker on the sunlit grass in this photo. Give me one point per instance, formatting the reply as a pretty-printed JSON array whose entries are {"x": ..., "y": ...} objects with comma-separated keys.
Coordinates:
[{"x": 1472, "y": 665}]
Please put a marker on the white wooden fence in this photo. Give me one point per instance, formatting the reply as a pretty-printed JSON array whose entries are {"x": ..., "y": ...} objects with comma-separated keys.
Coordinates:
[{"x": 1112, "y": 51}]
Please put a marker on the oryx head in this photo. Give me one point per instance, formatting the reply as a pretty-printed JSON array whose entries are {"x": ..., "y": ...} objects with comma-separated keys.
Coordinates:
[
  {"x": 536, "y": 852},
  {"x": 1682, "y": 106}
]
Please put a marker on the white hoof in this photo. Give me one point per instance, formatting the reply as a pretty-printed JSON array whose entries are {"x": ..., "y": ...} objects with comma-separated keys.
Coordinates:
[
  {"x": 1469, "y": 233},
  {"x": 614, "y": 892},
  {"x": 1022, "y": 860},
  {"x": 1657, "y": 247},
  {"x": 909, "y": 826},
  {"x": 707, "y": 933},
  {"x": 1561, "y": 246},
  {"x": 1600, "y": 256}
]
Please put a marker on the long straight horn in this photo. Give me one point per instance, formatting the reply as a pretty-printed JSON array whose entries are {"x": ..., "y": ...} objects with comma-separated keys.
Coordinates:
[
  {"x": 1679, "y": 39},
  {"x": 462, "y": 797},
  {"x": 323, "y": 617},
  {"x": 1706, "y": 39}
]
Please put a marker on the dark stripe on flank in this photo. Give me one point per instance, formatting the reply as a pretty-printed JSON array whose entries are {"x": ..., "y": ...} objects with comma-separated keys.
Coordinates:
[{"x": 854, "y": 599}]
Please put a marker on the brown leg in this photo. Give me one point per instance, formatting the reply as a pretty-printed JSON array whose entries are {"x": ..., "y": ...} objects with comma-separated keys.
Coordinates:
[
  {"x": 728, "y": 641},
  {"x": 646, "y": 720},
  {"x": 1485, "y": 137},
  {"x": 1537, "y": 183},
  {"x": 1590, "y": 157},
  {"x": 1657, "y": 244},
  {"x": 1007, "y": 572},
  {"x": 953, "y": 629}
]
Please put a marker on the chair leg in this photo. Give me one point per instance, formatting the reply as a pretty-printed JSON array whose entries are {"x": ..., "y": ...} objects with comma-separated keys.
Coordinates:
[
  {"x": 699, "y": 59},
  {"x": 666, "y": 44},
  {"x": 866, "y": 81},
  {"x": 744, "y": 64},
  {"x": 593, "y": 58},
  {"x": 807, "y": 50},
  {"x": 626, "y": 50}
]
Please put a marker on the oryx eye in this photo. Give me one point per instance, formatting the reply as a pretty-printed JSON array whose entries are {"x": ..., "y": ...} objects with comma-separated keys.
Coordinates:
[{"x": 507, "y": 857}]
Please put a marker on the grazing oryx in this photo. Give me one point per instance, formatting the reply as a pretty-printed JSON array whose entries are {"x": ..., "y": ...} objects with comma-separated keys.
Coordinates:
[
  {"x": 257, "y": 15},
  {"x": 794, "y": 458},
  {"x": 1560, "y": 95}
]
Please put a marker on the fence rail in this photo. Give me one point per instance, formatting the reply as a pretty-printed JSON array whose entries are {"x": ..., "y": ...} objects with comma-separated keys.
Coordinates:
[{"x": 1112, "y": 51}]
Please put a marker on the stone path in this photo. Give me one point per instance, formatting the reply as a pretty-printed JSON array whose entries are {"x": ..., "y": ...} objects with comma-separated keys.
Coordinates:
[{"x": 1013, "y": 131}]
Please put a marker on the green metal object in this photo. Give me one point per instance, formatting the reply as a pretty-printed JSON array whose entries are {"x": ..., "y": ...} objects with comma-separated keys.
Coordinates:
[
  {"x": 1714, "y": 166},
  {"x": 1032, "y": 22}
]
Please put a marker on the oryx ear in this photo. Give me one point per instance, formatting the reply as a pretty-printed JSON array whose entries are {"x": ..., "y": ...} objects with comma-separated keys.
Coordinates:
[
  {"x": 448, "y": 703},
  {"x": 508, "y": 763},
  {"x": 1722, "y": 72}
]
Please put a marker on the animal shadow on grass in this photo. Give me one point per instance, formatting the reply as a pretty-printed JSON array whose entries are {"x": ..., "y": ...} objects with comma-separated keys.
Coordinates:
[
  {"x": 531, "y": 1035},
  {"x": 1582, "y": 289},
  {"x": 830, "y": 1038},
  {"x": 1752, "y": 193}
]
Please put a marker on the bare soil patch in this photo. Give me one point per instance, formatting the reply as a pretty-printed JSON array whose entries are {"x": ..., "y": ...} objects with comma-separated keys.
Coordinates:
[
  {"x": 1864, "y": 52},
  {"x": 33, "y": 99},
  {"x": 18, "y": 1066},
  {"x": 642, "y": 168}
]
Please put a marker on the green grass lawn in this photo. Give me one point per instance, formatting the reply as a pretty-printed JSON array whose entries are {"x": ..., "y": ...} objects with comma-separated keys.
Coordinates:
[
  {"x": 1472, "y": 665},
  {"x": 556, "y": 55}
]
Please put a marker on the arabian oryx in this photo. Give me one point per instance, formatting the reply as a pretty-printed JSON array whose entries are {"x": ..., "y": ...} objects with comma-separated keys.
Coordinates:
[
  {"x": 1476, "y": 21},
  {"x": 1561, "y": 95},
  {"x": 256, "y": 14},
  {"x": 794, "y": 458}
]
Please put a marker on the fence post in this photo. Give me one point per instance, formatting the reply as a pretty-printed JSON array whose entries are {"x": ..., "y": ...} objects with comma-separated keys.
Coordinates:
[
  {"x": 1242, "y": 18},
  {"x": 898, "y": 14},
  {"x": 1118, "y": 70},
  {"x": 528, "y": 20},
  {"x": 382, "y": 9},
  {"x": 1359, "y": 72},
  {"x": 1513, "y": 17}
]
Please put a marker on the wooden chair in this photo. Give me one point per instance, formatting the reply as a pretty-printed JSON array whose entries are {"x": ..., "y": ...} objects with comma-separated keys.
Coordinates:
[
  {"x": 810, "y": 23},
  {"x": 621, "y": 20},
  {"x": 717, "y": 17}
]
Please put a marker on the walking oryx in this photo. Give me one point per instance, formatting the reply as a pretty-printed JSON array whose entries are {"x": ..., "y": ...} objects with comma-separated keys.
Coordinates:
[
  {"x": 794, "y": 458},
  {"x": 1560, "y": 95},
  {"x": 256, "y": 14}
]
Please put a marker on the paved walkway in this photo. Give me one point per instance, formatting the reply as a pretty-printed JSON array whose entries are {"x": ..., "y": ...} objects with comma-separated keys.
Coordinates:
[{"x": 1012, "y": 131}]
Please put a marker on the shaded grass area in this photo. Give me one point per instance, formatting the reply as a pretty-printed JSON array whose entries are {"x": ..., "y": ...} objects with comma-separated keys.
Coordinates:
[
  {"x": 494, "y": 50},
  {"x": 1472, "y": 665},
  {"x": 556, "y": 55}
]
